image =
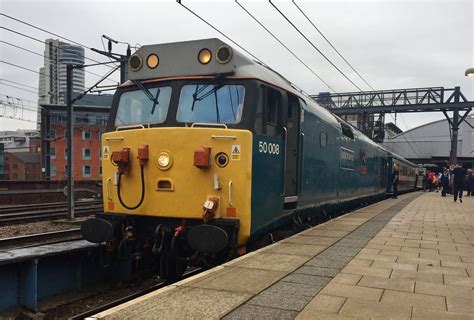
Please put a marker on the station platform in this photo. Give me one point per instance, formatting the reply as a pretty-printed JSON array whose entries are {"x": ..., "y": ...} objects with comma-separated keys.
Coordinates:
[{"x": 405, "y": 258}]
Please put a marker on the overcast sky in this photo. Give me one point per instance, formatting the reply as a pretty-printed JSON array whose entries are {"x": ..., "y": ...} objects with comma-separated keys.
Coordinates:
[{"x": 392, "y": 44}]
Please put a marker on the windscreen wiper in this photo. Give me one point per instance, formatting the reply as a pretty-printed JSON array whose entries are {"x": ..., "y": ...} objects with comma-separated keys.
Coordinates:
[
  {"x": 217, "y": 81},
  {"x": 149, "y": 95}
]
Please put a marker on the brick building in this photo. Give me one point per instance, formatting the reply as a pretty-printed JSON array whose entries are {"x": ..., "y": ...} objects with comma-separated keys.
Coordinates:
[
  {"x": 91, "y": 114},
  {"x": 23, "y": 165}
]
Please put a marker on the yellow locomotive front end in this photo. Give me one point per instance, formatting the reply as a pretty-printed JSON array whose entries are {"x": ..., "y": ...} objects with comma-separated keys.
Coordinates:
[
  {"x": 186, "y": 169},
  {"x": 177, "y": 159}
]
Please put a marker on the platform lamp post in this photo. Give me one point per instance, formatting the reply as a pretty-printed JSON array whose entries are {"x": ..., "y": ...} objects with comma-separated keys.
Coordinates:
[{"x": 469, "y": 72}]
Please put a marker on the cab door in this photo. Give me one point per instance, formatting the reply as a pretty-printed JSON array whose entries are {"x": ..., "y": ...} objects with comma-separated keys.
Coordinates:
[{"x": 291, "y": 122}]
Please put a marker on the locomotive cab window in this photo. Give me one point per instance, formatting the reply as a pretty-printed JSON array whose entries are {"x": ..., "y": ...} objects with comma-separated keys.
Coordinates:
[
  {"x": 211, "y": 103},
  {"x": 135, "y": 107},
  {"x": 346, "y": 130}
]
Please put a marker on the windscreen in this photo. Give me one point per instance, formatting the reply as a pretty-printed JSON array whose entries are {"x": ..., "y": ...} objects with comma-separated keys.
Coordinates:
[
  {"x": 211, "y": 103},
  {"x": 136, "y": 108}
]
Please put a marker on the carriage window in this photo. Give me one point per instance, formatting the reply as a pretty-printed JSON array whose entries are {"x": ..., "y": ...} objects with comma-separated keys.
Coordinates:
[
  {"x": 323, "y": 139},
  {"x": 211, "y": 104},
  {"x": 136, "y": 108}
]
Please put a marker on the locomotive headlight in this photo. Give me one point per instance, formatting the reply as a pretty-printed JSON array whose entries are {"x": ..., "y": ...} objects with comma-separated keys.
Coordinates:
[
  {"x": 152, "y": 61},
  {"x": 135, "y": 62},
  {"x": 223, "y": 54},
  {"x": 164, "y": 161},
  {"x": 204, "y": 56}
]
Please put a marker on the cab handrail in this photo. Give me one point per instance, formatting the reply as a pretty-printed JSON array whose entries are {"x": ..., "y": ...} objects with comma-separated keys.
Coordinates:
[
  {"x": 203, "y": 124},
  {"x": 134, "y": 126}
]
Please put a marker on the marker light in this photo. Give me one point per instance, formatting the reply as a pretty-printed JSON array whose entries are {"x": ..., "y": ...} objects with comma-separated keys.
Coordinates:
[
  {"x": 204, "y": 56},
  {"x": 152, "y": 61},
  {"x": 164, "y": 161},
  {"x": 224, "y": 54},
  {"x": 135, "y": 62}
]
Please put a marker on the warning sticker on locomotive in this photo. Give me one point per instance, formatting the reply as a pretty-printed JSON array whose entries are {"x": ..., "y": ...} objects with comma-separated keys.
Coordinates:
[
  {"x": 347, "y": 159},
  {"x": 235, "y": 152},
  {"x": 105, "y": 152}
]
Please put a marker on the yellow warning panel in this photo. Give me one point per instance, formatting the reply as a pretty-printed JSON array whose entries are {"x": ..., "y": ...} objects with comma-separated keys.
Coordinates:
[
  {"x": 235, "y": 152},
  {"x": 105, "y": 152}
]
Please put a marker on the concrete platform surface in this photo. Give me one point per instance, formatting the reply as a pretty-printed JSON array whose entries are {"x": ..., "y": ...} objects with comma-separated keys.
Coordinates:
[{"x": 405, "y": 258}]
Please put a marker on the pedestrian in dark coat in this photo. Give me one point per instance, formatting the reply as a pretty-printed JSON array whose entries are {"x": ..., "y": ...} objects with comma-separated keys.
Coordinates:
[
  {"x": 470, "y": 182},
  {"x": 459, "y": 176}
]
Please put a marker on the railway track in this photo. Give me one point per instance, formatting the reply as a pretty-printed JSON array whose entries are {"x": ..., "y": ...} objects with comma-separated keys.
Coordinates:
[
  {"x": 39, "y": 206},
  {"x": 29, "y": 213},
  {"x": 40, "y": 239},
  {"x": 131, "y": 296}
]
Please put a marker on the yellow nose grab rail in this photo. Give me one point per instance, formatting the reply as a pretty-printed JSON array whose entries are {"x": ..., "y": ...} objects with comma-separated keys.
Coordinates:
[
  {"x": 223, "y": 137},
  {"x": 230, "y": 193},
  {"x": 107, "y": 181},
  {"x": 115, "y": 139}
]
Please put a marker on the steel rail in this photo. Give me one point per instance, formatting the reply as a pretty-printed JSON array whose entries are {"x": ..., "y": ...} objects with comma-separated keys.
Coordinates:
[
  {"x": 46, "y": 214},
  {"x": 38, "y": 206},
  {"x": 41, "y": 238}
]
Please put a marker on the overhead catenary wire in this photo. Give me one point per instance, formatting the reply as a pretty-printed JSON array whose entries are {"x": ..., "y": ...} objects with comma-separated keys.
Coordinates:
[
  {"x": 44, "y": 30},
  {"x": 19, "y": 88},
  {"x": 18, "y": 104},
  {"x": 42, "y": 55},
  {"x": 13, "y": 97},
  {"x": 312, "y": 44},
  {"x": 404, "y": 137},
  {"x": 345, "y": 60},
  {"x": 332, "y": 46},
  {"x": 223, "y": 34},
  {"x": 18, "y": 83},
  {"x": 286, "y": 47},
  {"x": 24, "y": 68},
  {"x": 57, "y": 47},
  {"x": 19, "y": 119}
]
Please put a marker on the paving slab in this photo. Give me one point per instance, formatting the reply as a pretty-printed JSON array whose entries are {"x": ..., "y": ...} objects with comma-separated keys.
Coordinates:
[
  {"x": 410, "y": 258},
  {"x": 235, "y": 279},
  {"x": 251, "y": 312}
]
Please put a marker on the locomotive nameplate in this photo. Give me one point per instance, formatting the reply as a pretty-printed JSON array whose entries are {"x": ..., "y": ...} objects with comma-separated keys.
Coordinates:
[{"x": 347, "y": 159}]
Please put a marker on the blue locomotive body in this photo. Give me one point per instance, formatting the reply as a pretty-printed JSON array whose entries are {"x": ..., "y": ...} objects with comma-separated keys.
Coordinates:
[{"x": 328, "y": 166}]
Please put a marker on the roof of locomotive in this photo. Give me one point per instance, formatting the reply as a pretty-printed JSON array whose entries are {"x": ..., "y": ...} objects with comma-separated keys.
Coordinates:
[{"x": 180, "y": 59}]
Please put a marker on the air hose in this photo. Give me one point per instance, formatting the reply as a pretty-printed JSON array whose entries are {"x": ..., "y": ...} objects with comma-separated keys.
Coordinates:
[{"x": 143, "y": 191}]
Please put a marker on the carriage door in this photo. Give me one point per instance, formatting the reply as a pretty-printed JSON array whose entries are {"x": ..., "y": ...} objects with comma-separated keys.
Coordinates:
[{"x": 290, "y": 135}]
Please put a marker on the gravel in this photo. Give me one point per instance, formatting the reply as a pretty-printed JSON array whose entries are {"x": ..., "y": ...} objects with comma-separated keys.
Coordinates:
[{"x": 16, "y": 230}]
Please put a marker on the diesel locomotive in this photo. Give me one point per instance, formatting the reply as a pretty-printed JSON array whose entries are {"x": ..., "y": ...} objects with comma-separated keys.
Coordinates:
[{"x": 207, "y": 150}]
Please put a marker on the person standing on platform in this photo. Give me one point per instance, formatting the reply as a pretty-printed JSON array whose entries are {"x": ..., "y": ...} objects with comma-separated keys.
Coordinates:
[
  {"x": 444, "y": 179},
  {"x": 395, "y": 179},
  {"x": 470, "y": 182},
  {"x": 426, "y": 181},
  {"x": 459, "y": 175}
]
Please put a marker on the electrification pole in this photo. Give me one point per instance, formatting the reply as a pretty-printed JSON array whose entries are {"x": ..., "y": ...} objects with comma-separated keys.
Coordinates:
[
  {"x": 455, "y": 124},
  {"x": 122, "y": 59},
  {"x": 70, "y": 139}
]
